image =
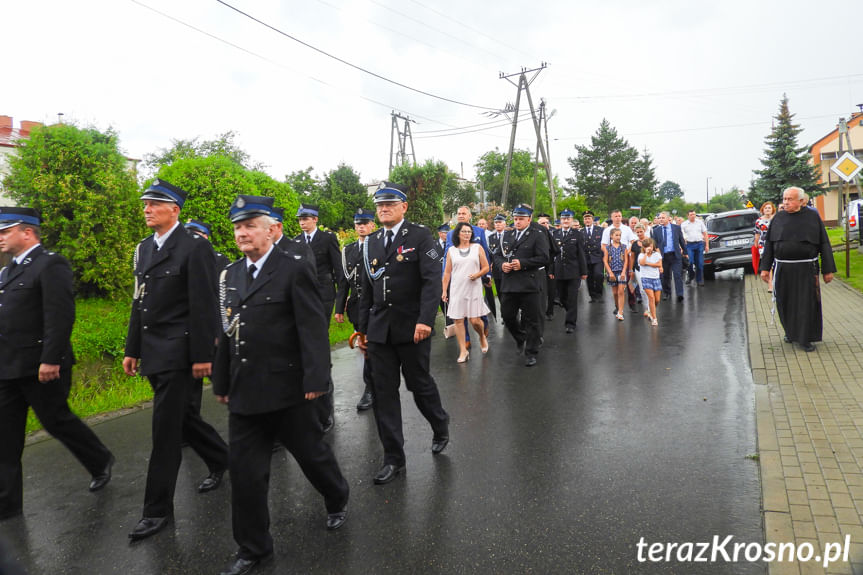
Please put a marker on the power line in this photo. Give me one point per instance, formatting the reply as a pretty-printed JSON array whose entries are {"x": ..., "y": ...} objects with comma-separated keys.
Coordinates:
[
  {"x": 430, "y": 27},
  {"x": 727, "y": 90},
  {"x": 472, "y": 29},
  {"x": 346, "y": 63},
  {"x": 284, "y": 66},
  {"x": 498, "y": 122},
  {"x": 681, "y": 130}
]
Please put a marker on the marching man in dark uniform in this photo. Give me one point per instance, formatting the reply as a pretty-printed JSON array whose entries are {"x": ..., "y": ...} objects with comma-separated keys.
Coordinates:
[
  {"x": 273, "y": 360},
  {"x": 348, "y": 296},
  {"x": 494, "y": 240},
  {"x": 570, "y": 267},
  {"x": 204, "y": 230},
  {"x": 37, "y": 311},
  {"x": 325, "y": 247},
  {"x": 220, "y": 262},
  {"x": 171, "y": 340},
  {"x": 592, "y": 235},
  {"x": 524, "y": 252},
  {"x": 440, "y": 246},
  {"x": 400, "y": 295},
  {"x": 288, "y": 245}
]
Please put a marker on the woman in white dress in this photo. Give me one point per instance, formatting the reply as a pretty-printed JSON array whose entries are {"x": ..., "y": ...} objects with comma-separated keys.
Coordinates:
[{"x": 466, "y": 264}]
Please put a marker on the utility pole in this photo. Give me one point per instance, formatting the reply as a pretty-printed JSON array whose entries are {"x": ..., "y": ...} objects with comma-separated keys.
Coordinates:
[
  {"x": 843, "y": 132},
  {"x": 524, "y": 84},
  {"x": 403, "y": 136},
  {"x": 707, "y": 189}
]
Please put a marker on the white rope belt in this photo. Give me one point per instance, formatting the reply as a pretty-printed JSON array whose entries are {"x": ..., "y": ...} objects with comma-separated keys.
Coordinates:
[{"x": 776, "y": 266}]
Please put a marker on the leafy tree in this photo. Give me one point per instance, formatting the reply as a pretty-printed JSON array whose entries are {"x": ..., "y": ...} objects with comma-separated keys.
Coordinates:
[
  {"x": 459, "y": 193},
  {"x": 426, "y": 185},
  {"x": 669, "y": 190},
  {"x": 730, "y": 200},
  {"x": 676, "y": 207},
  {"x": 491, "y": 171},
  {"x": 88, "y": 198},
  {"x": 212, "y": 184},
  {"x": 223, "y": 145},
  {"x": 785, "y": 162},
  {"x": 611, "y": 174},
  {"x": 303, "y": 183},
  {"x": 340, "y": 196},
  {"x": 574, "y": 202}
]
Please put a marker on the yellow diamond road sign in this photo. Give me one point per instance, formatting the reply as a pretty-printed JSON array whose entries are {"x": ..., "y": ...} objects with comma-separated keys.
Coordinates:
[{"x": 847, "y": 167}]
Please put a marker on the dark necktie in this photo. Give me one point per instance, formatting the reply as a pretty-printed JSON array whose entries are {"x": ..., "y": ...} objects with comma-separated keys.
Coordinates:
[
  {"x": 309, "y": 239},
  {"x": 251, "y": 275},
  {"x": 12, "y": 265},
  {"x": 389, "y": 240}
]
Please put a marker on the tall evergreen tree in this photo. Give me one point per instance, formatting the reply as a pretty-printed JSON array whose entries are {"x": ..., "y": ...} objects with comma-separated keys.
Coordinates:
[
  {"x": 611, "y": 174},
  {"x": 785, "y": 162}
]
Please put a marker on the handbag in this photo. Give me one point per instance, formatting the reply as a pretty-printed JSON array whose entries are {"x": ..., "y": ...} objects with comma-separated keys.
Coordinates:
[{"x": 448, "y": 331}]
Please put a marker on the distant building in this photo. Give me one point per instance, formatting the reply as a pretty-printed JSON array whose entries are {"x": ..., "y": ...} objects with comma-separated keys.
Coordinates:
[
  {"x": 9, "y": 138},
  {"x": 824, "y": 153}
]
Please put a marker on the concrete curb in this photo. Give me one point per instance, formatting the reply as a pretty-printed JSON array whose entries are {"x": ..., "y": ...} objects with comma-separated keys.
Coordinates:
[{"x": 809, "y": 418}]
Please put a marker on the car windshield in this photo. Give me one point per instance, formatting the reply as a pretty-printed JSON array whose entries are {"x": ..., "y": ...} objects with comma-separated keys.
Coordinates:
[{"x": 732, "y": 223}]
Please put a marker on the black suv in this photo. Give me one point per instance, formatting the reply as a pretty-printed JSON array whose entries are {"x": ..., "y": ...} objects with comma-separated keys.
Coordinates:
[{"x": 730, "y": 235}]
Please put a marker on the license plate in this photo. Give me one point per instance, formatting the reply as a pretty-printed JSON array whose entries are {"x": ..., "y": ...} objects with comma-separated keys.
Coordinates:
[{"x": 740, "y": 242}]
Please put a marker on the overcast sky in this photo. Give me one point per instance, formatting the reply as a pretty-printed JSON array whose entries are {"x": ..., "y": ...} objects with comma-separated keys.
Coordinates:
[{"x": 695, "y": 83}]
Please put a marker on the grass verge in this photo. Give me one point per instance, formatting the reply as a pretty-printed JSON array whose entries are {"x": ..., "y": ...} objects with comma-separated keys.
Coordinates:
[{"x": 856, "y": 278}]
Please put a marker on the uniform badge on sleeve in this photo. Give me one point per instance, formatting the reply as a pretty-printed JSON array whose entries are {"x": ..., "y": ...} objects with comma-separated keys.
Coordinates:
[{"x": 432, "y": 253}]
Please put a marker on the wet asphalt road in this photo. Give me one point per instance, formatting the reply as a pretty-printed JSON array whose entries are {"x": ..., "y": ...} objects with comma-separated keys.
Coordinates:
[{"x": 621, "y": 431}]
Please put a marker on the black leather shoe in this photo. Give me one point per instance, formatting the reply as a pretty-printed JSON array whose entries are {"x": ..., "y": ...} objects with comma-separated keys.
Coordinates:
[
  {"x": 808, "y": 346},
  {"x": 11, "y": 514},
  {"x": 329, "y": 424},
  {"x": 439, "y": 443},
  {"x": 387, "y": 473},
  {"x": 148, "y": 526},
  {"x": 549, "y": 316},
  {"x": 680, "y": 298},
  {"x": 570, "y": 330},
  {"x": 665, "y": 297},
  {"x": 366, "y": 401},
  {"x": 211, "y": 482},
  {"x": 786, "y": 339},
  {"x": 337, "y": 519},
  {"x": 101, "y": 480},
  {"x": 689, "y": 282},
  {"x": 591, "y": 300},
  {"x": 530, "y": 361},
  {"x": 241, "y": 566}
]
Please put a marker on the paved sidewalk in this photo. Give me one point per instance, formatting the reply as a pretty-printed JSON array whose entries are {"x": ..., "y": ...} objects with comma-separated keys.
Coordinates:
[{"x": 810, "y": 427}]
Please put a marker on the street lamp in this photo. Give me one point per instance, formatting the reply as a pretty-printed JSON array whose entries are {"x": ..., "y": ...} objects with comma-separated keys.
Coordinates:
[{"x": 707, "y": 188}]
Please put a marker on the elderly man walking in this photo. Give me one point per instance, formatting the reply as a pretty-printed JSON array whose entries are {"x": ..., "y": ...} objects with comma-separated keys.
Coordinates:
[{"x": 796, "y": 239}]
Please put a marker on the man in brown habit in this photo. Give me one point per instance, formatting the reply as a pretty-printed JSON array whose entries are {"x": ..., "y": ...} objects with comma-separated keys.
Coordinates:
[{"x": 793, "y": 244}]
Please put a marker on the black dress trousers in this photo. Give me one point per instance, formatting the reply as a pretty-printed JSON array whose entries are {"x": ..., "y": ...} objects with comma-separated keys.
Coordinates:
[
  {"x": 176, "y": 418},
  {"x": 251, "y": 438},
  {"x": 413, "y": 360},
  {"x": 48, "y": 401}
]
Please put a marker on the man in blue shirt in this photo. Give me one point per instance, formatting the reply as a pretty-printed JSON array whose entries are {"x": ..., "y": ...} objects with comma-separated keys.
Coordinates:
[{"x": 669, "y": 241}]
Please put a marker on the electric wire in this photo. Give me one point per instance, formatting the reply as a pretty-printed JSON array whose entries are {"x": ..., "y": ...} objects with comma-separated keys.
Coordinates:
[
  {"x": 286, "y": 67},
  {"x": 472, "y": 29},
  {"x": 349, "y": 64},
  {"x": 697, "y": 129},
  {"x": 716, "y": 91},
  {"x": 501, "y": 122}
]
